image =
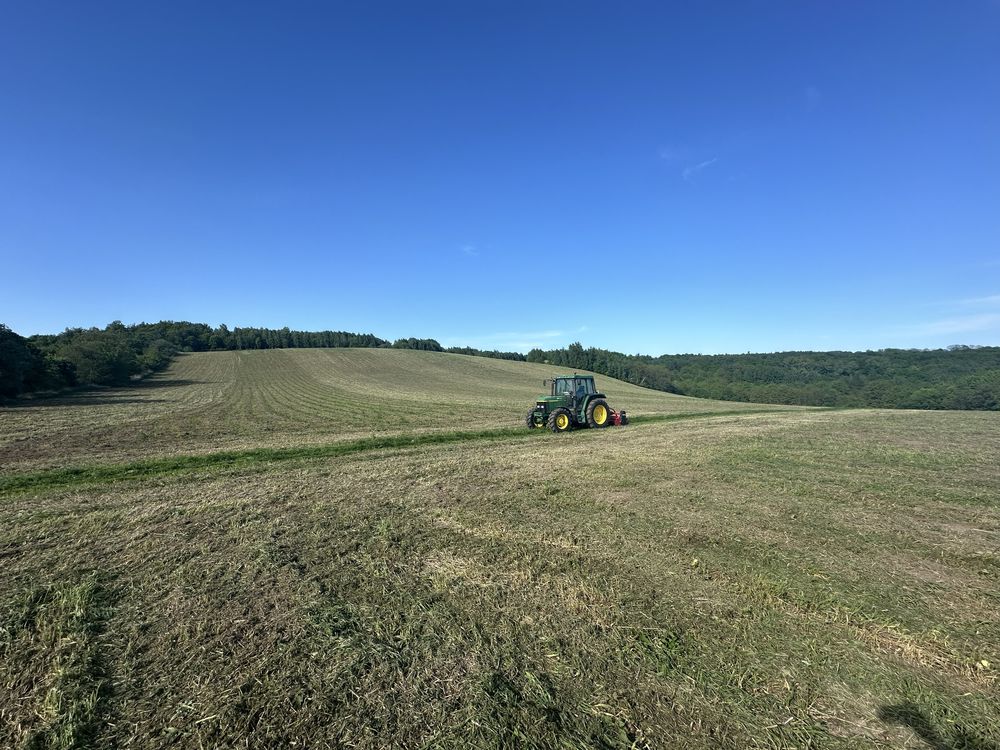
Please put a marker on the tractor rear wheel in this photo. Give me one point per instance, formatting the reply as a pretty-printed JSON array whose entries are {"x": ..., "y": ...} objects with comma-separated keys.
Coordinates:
[
  {"x": 561, "y": 420},
  {"x": 598, "y": 413},
  {"x": 530, "y": 420}
]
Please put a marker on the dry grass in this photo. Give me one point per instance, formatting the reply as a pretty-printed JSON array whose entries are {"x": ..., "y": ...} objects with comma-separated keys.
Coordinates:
[
  {"x": 805, "y": 579},
  {"x": 289, "y": 398}
]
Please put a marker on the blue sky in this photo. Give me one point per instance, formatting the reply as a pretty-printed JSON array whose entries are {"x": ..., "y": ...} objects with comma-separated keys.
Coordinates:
[{"x": 646, "y": 177}]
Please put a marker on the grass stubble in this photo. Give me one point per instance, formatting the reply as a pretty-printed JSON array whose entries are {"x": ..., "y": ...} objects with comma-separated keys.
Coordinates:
[
  {"x": 214, "y": 402},
  {"x": 799, "y": 579}
]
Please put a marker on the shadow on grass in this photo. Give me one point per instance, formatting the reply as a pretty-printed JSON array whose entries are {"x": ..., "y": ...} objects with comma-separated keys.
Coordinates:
[
  {"x": 101, "y": 396},
  {"x": 958, "y": 738},
  {"x": 157, "y": 381}
]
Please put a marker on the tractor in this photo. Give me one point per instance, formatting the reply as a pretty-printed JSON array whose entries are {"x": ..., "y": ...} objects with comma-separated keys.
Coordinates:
[{"x": 573, "y": 401}]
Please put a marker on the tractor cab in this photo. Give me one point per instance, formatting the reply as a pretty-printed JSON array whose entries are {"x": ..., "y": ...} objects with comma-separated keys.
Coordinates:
[
  {"x": 573, "y": 401},
  {"x": 576, "y": 387}
]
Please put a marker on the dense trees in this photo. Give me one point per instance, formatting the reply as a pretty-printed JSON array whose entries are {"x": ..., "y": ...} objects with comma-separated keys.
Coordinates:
[
  {"x": 25, "y": 366},
  {"x": 19, "y": 363},
  {"x": 109, "y": 357},
  {"x": 425, "y": 345},
  {"x": 961, "y": 377}
]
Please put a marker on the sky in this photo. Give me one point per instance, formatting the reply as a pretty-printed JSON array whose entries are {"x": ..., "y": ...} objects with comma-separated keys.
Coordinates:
[{"x": 648, "y": 177}]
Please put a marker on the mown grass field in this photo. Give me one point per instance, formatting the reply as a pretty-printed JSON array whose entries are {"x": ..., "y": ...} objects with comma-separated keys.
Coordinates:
[
  {"x": 279, "y": 398},
  {"x": 773, "y": 578}
]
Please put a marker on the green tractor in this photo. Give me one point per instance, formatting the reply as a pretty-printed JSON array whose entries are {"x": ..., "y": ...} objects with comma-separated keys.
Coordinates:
[{"x": 573, "y": 401}]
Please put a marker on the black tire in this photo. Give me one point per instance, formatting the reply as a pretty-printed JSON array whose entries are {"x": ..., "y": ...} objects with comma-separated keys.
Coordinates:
[
  {"x": 598, "y": 413},
  {"x": 624, "y": 419},
  {"x": 530, "y": 420},
  {"x": 557, "y": 423}
]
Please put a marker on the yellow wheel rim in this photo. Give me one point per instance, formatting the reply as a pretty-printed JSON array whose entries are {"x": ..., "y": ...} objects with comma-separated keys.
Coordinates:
[
  {"x": 600, "y": 414},
  {"x": 562, "y": 421}
]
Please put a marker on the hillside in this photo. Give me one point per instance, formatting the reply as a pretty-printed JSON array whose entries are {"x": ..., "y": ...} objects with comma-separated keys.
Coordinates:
[
  {"x": 226, "y": 400},
  {"x": 960, "y": 377},
  {"x": 357, "y": 548}
]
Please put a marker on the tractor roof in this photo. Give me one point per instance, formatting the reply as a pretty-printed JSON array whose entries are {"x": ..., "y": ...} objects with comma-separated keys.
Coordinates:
[{"x": 575, "y": 375}]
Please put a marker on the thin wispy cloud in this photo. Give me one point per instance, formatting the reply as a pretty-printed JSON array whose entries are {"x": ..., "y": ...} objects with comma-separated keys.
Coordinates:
[
  {"x": 980, "y": 315},
  {"x": 690, "y": 172},
  {"x": 991, "y": 301},
  {"x": 958, "y": 324},
  {"x": 471, "y": 250},
  {"x": 516, "y": 341},
  {"x": 669, "y": 153},
  {"x": 550, "y": 334}
]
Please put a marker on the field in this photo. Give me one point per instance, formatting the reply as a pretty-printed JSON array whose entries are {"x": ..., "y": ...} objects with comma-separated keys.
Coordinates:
[
  {"x": 293, "y": 397},
  {"x": 354, "y": 548}
]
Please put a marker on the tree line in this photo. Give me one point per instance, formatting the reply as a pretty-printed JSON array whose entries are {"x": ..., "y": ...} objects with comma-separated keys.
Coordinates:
[
  {"x": 959, "y": 377},
  {"x": 119, "y": 353}
]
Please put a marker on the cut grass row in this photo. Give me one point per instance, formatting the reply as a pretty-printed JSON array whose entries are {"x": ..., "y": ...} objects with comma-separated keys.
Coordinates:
[{"x": 261, "y": 457}]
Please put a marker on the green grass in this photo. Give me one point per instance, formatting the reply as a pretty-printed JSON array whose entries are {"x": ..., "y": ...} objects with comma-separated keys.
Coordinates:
[
  {"x": 704, "y": 579},
  {"x": 49, "y": 653}
]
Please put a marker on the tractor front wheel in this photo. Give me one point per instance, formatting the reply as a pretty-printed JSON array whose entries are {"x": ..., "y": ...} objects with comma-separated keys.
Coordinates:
[
  {"x": 598, "y": 413},
  {"x": 530, "y": 420},
  {"x": 561, "y": 420}
]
